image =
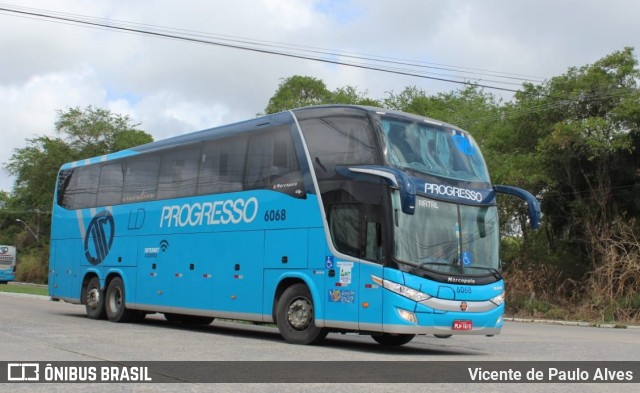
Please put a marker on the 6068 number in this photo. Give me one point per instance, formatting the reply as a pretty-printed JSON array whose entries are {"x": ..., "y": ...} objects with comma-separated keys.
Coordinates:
[{"x": 275, "y": 215}]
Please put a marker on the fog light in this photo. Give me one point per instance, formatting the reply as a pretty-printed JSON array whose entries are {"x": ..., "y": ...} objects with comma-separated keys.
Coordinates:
[
  {"x": 498, "y": 300},
  {"x": 407, "y": 315},
  {"x": 499, "y": 321}
]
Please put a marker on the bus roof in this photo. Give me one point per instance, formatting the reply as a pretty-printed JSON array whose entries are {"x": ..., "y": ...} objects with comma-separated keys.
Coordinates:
[{"x": 249, "y": 125}]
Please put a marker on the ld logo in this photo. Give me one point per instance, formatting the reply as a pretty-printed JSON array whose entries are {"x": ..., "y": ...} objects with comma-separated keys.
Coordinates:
[{"x": 99, "y": 237}]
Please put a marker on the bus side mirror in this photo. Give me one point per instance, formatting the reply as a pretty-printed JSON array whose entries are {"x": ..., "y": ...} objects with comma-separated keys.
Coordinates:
[{"x": 533, "y": 205}]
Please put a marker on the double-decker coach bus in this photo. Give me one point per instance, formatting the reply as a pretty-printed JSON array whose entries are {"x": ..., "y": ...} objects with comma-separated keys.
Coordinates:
[{"x": 319, "y": 219}]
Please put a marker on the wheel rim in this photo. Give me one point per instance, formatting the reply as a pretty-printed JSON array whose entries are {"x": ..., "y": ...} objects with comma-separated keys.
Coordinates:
[
  {"x": 93, "y": 298},
  {"x": 299, "y": 314},
  {"x": 116, "y": 300}
]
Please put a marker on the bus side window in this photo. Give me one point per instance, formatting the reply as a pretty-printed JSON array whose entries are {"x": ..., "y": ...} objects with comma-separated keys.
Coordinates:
[
  {"x": 179, "y": 173},
  {"x": 338, "y": 140},
  {"x": 272, "y": 162},
  {"x": 373, "y": 242},
  {"x": 64, "y": 181},
  {"x": 344, "y": 225},
  {"x": 111, "y": 182},
  {"x": 141, "y": 178},
  {"x": 222, "y": 165},
  {"x": 83, "y": 187}
]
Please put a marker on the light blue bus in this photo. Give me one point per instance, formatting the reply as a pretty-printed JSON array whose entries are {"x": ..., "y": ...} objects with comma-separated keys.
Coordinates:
[
  {"x": 320, "y": 219},
  {"x": 8, "y": 258}
]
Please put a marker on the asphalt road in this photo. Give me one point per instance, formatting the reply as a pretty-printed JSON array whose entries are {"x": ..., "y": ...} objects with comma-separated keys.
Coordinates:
[{"x": 32, "y": 328}]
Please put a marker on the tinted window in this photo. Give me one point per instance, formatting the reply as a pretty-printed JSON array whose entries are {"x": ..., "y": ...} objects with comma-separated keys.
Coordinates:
[
  {"x": 222, "y": 166},
  {"x": 83, "y": 187},
  {"x": 344, "y": 225},
  {"x": 111, "y": 181},
  {"x": 64, "y": 179},
  {"x": 338, "y": 140},
  {"x": 272, "y": 162},
  {"x": 179, "y": 173},
  {"x": 141, "y": 179}
]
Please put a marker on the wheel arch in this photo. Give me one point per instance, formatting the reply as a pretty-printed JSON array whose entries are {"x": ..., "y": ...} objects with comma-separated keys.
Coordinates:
[
  {"x": 287, "y": 281},
  {"x": 88, "y": 275},
  {"x": 113, "y": 274}
]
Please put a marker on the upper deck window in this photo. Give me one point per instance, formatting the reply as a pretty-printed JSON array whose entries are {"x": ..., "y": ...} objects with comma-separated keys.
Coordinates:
[
  {"x": 338, "y": 140},
  {"x": 429, "y": 148}
]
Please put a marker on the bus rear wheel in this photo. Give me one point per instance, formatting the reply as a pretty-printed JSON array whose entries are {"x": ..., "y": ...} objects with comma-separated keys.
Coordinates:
[
  {"x": 393, "y": 340},
  {"x": 94, "y": 300},
  {"x": 295, "y": 316},
  {"x": 116, "y": 306}
]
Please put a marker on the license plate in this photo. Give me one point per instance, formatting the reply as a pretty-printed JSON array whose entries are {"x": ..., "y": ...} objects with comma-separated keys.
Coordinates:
[{"x": 462, "y": 325}]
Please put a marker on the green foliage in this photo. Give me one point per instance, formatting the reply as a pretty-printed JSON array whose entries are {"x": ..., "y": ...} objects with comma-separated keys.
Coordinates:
[
  {"x": 82, "y": 133},
  {"x": 91, "y": 132},
  {"x": 33, "y": 266},
  {"x": 300, "y": 91},
  {"x": 351, "y": 96}
]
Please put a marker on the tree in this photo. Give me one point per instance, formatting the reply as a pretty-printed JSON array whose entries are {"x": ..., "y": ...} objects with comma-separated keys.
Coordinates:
[
  {"x": 351, "y": 96},
  {"x": 300, "y": 91},
  {"x": 93, "y": 131},
  {"x": 82, "y": 133},
  {"x": 579, "y": 134}
]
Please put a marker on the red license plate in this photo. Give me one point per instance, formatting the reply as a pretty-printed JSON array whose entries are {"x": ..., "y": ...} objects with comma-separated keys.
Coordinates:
[{"x": 462, "y": 325}]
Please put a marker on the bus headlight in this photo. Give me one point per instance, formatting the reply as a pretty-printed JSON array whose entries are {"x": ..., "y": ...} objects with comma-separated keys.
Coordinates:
[
  {"x": 401, "y": 290},
  {"x": 498, "y": 300}
]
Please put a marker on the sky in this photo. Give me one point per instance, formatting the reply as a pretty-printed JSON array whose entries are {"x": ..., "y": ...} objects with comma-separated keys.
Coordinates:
[{"x": 171, "y": 87}]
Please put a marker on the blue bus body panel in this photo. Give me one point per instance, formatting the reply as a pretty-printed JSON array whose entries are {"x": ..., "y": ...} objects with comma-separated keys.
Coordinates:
[
  {"x": 195, "y": 254},
  {"x": 7, "y": 275},
  {"x": 449, "y": 303}
]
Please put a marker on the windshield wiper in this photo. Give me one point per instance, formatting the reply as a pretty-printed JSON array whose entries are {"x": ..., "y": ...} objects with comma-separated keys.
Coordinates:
[
  {"x": 496, "y": 273},
  {"x": 493, "y": 271},
  {"x": 417, "y": 267}
]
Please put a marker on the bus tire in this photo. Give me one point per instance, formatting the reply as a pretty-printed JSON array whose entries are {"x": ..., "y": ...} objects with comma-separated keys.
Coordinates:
[
  {"x": 295, "y": 316},
  {"x": 393, "y": 340},
  {"x": 94, "y": 300},
  {"x": 115, "y": 303}
]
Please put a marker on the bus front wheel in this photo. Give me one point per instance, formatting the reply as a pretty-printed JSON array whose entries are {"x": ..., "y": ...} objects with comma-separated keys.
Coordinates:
[
  {"x": 94, "y": 300},
  {"x": 393, "y": 339},
  {"x": 295, "y": 316},
  {"x": 115, "y": 304}
]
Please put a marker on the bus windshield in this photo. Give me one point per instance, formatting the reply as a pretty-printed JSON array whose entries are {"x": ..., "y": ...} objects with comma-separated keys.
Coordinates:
[
  {"x": 447, "y": 238},
  {"x": 428, "y": 148}
]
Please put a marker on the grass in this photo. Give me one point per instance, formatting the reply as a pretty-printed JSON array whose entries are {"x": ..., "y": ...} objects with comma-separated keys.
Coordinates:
[{"x": 28, "y": 289}]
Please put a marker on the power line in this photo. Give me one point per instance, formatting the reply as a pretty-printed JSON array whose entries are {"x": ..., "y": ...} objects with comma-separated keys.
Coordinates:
[{"x": 266, "y": 47}]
